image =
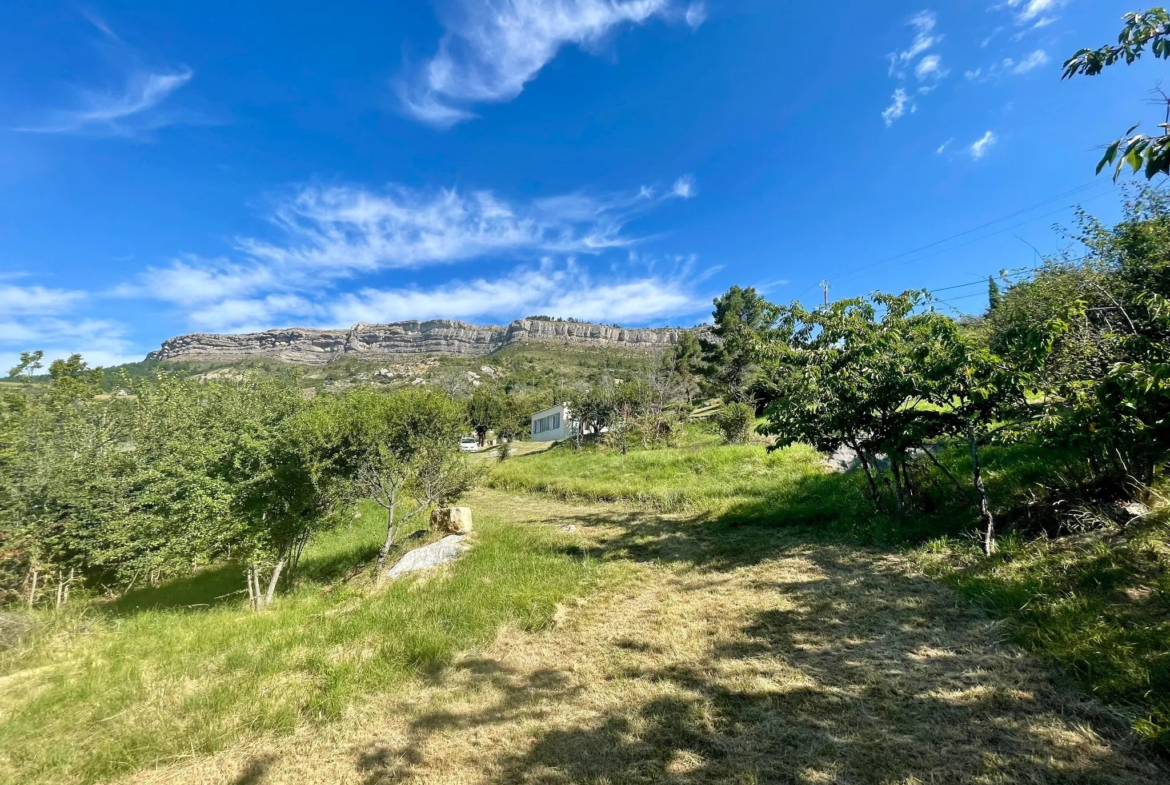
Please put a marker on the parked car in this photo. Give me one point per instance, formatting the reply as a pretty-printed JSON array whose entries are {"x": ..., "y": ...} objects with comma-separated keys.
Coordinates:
[{"x": 468, "y": 444}]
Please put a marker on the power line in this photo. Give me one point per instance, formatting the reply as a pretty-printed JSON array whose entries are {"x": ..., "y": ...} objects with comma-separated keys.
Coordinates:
[
  {"x": 977, "y": 239},
  {"x": 1009, "y": 216}
]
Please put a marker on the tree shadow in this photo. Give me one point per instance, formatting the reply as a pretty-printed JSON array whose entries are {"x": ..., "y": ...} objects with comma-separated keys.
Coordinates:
[
  {"x": 853, "y": 672},
  {"x": 254, "y": 772},
  {"x": 207, "y": 589}
]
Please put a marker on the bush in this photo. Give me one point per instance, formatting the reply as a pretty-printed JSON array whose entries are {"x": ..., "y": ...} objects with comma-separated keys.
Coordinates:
[{"x": 735, "y": 421}]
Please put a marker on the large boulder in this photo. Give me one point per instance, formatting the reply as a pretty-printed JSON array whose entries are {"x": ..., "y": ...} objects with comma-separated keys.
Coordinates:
[
  {"x": 430, "y": 556},
  {"x": 453, "y": 520}
]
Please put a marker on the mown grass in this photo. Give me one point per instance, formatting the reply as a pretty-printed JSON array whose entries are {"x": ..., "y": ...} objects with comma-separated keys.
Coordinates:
[
  {"x": 185, "y": 669},
  {"x": 1096, "y": 604}
]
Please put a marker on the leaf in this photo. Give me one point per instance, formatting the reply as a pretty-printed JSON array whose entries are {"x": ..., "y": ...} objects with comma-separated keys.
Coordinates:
[{"x": 1110, "y": 155}]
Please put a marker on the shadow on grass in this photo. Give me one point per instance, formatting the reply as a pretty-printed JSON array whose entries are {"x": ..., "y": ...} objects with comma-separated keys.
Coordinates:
[{"x": 860, "y": 674}]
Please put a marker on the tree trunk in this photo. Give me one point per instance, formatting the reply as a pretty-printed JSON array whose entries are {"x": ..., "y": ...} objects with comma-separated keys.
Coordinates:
[
  {"x": 32, "y": 592},
  {"x": 69, "y": 583},
  {"x": 899, "y": 499},
  {"x": 272, "y": 582},
  {"x": 981, "y": 495},
  {"x": 873, "y": 489},
  {"x": 60, "y": 587},
  {"x": 384, "y": 551},
  {"x": 251, "y": 586},
  {"x": 944, "y": 470}
]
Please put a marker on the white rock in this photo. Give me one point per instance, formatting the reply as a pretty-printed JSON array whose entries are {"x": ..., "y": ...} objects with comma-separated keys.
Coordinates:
[
  {"x": 430, "y": 556},
  {"x": 454, "y": 520}
]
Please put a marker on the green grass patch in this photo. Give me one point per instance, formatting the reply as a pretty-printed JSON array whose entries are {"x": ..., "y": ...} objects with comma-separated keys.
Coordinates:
[
  {"x": 185, "y": 669},
  {"x": 1096, "y": 604}
]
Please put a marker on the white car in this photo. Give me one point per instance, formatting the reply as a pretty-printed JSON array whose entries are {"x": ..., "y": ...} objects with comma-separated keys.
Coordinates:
[{"x": 469, "y": 444}]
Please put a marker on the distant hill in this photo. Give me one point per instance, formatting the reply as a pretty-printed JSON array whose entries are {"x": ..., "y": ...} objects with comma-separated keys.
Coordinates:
[{"x": 437, "y": 338}]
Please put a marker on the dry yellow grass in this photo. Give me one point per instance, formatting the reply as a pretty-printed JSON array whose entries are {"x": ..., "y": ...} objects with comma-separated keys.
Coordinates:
[{"x": 796, "y": 663}]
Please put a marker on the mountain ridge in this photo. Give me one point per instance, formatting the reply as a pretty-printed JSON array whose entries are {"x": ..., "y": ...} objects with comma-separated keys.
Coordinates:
[{"x": 310, "y": 346}]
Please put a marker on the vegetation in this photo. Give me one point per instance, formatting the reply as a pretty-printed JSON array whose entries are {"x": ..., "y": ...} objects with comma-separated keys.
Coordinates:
[
  {"x": 1021, "y": 454},
  {"x": 1149, "y": 28},
  {"x": 178, "y": 669}
]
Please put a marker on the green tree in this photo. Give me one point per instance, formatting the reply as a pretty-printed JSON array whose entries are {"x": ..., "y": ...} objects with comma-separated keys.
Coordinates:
[
  {"x": 993, "y": 294},
  {"x": 403, "y": 448},
  {"x": 741, "y": 316},
  {"x": 486, "y": 410},
  {"x": 1149, "y": 28}
]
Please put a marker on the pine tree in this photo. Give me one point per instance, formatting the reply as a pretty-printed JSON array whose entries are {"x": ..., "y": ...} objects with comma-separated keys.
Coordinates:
[{"x": 993, "y": 295}]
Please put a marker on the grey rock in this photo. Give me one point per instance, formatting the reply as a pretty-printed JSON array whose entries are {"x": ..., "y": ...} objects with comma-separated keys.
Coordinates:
[
  {"x": 439, "y": 336},
  {"x": 430, "y": 556}
]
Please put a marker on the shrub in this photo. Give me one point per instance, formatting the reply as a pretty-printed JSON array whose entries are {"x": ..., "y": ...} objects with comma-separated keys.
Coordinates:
[{"x": 735, "y": 421}]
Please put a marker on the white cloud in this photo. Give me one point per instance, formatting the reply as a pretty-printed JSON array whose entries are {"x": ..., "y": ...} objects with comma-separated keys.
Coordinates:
[
  {"x": 685, "y": 188},
  {"x": 1028, "y": 10},
  {"x": 923, "y": 23},
  {"x": 101, "y": 342},
  {"x": 1036, "y": 59},
  {"x": 898, "y": 107},
  {"x": 331, "y": 233},
  {"x": 125, "y": 110},
  {"x": 17, "y": 300},
  {"x": 973, "y": 75},
  {"x": 942, "y": 148},
  {"x": 927, "y": 68},
  {"x": 695, "y": 15},
  {"x": 34, "y": 317},
  {"x": 980, "y": 147},
  {"x": 492, "y": 50},
  {"x": 338, "y": 230},
  {"x": 557, "y": 290}
]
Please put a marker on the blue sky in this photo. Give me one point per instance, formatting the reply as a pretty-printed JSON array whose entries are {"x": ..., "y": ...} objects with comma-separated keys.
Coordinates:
[{"x": 225, "y": 167}]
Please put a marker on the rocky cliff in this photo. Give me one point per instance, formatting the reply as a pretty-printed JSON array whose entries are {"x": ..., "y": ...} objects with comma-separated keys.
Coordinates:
[{"x": 440, "y": 336}]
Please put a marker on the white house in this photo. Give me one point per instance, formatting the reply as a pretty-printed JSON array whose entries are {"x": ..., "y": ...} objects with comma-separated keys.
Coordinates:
[{"x": 552, "y": 425}]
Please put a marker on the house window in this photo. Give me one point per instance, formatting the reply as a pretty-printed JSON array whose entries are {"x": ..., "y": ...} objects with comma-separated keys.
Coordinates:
[{"x": 556, "y": 418}]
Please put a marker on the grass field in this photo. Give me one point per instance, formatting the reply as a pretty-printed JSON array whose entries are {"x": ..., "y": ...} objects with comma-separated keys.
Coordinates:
[
  {"x": 184, "y": 669},
  {"x": 728, "y": 640},
  {"x": 741, "y": 481},
  {"x": 1096, "y": 604}
]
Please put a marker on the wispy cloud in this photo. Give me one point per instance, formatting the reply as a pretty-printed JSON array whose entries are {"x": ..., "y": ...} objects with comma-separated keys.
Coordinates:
[
  {"x": 128, "y": 108},
  {"x": 898, "y": 108},
  {"x": 1029, "y": 10},
  {"x": 492, "y": 50},
  {"x": 981, "y": 146},
  {"x": 924, "y": 24},
  {"x": 326, "y": 234},
  {"x": 36, "y": 300},
  {"x": 695, "y": 15},
  {"x": 1036, "y": 59},
  {"x": 35, "y": 317},
  {"x": 927, "y": 69},
  {"x": 559, "y": 290},
  {"x": 942, "y": 148}
]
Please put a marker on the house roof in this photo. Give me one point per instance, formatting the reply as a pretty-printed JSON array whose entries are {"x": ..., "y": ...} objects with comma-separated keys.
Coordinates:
[{"x": 550, "y": 409}]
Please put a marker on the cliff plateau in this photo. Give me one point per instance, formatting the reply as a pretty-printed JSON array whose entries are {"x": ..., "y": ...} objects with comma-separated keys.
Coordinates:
[{"x": 438, "y": 336}]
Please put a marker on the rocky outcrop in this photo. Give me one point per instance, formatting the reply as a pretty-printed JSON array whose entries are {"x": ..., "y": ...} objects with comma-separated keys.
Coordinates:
[{"x": 439, "y": 336}]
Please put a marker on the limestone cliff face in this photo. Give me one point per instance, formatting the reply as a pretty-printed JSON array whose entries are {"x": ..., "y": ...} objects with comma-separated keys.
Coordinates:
[{"x": 439, "y": 336}]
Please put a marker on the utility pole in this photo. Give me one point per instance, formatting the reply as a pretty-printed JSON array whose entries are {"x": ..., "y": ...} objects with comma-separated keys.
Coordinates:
[{"x": 825, "y": 286}]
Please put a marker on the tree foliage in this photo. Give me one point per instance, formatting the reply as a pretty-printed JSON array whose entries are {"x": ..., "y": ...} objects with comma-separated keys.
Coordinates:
[
  {"x": 1142, "y": 29},
  {"x": 112, "y": 490}
]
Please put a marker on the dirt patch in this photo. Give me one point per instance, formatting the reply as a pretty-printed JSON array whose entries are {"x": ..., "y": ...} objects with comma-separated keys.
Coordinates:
[{"x": 802, "y": 664}]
